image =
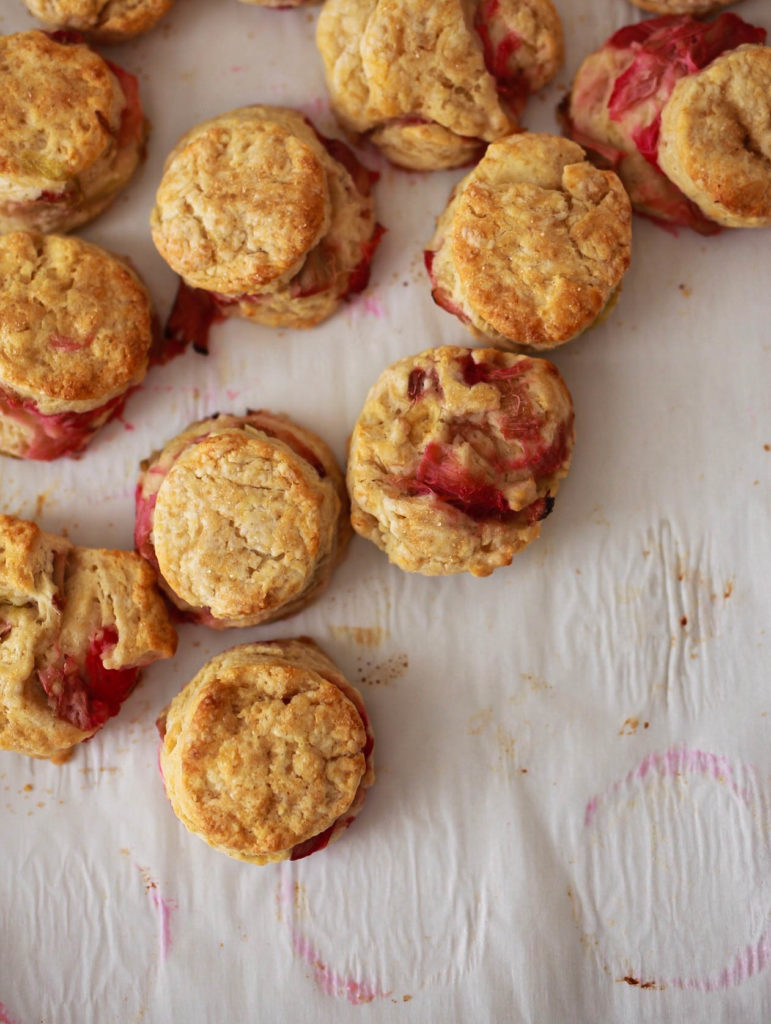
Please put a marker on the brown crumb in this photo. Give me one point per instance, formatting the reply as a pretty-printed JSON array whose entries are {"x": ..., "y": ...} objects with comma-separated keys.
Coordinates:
[{"x": 684, "y": 621}]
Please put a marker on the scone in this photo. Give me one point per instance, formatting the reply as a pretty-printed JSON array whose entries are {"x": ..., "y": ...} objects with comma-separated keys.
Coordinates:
[
  {"x": 267, "y": 753},
  {"x": 264, "y": 218},
  {"x": 244, "y": 517},
  {"x": 683, "y": 6},
  {"x": 76, "y": 626},
  {"x": 615, "y": 109},
  {"x": 102, "y": 21},
  {"x": 72, "y": 132},
  {"x": 456, "y": 458},
  {"x": 281, "y": 3},
  {"x": 76, "y": 329},
  {"x": 431, "y": 82},
  {"x": 715, "y": 142},
  {"x": 533, "y": 245}
]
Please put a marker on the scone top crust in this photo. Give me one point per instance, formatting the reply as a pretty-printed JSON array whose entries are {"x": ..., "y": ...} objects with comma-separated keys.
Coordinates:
[
  {"x": 60, "y": 107},
  {"x": 540, "y": 239},
  {"x": 263, "y": 749},
  {"x": 716, "y": 137},
  {"x": 104, "y": 21},
  {"x": 240, "y": 524},
  {"x": 456, "y": 458},
  {"x": 75, "y": 321},
  {"x": 682, "y": 6},
  {"x": 243, "y": 198}
]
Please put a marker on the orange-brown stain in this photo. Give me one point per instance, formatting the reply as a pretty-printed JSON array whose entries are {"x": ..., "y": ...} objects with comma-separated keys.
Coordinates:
[
  {"x": 728, "y": 589},
  {"x": 363, "y": 636},
  {"x": 381, "y": 673},
  {"x": 629, "y": 728},
  {"x": 406, "y": 999}
]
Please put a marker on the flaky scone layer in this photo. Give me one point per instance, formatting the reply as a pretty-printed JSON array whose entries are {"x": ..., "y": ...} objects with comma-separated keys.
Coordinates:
[
  {"x": 456, "y": 458},
  {"x": 75, "y": 624},
  {"x": 533, "y": 244},
  {"x": 266, "y": 748}
]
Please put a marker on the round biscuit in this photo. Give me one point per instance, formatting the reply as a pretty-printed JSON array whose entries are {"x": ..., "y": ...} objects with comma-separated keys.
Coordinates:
[{"x": 103, "y": 21}]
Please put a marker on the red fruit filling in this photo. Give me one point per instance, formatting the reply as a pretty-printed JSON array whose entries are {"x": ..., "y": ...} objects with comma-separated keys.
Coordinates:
[
  {"x": 132, "y": 120},
  {"x": 363, "y": 177},
  {"x": 667, "y": 49},
  {"x": 420, "y": 381},
  {"x": 275, "y": 429},
  {"x": 57, "y": 434},
  {"x": 359, "y": 276},
  {"x": 440, "y": 297},
  {"x": 191, "y": 317},
  {"x": 510, "y": 80},
  {"x": 87, "y": 698}
]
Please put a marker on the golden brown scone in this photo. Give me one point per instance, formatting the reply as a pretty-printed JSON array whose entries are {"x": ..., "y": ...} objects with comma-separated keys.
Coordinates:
[
  {"x": 431, "y": 81},
  {"x": 683, "y": 6},
  {"x": 72, "y": 132},
  {"x": 245, "y": 517},
  {"x": 715, "y": 142},
  {"x": 267, "y": 753},
  {"x": 101, "y": 21},
  {"x": 269, "y": 219},
  {"x": 76, "y": 327},
  {"x": 615, "y": 106},
  {"x": 76, "y": 625},
  {"x": 456, "y": 458},
  {"x": 533, "y": 244},
  {"x": 281, "y": 3}
]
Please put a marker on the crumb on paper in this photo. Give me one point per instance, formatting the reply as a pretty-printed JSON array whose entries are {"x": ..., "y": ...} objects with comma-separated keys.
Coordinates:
[{"x": 629, "y": 728}]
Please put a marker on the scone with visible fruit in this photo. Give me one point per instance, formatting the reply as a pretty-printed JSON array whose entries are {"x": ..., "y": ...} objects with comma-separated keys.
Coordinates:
[
  {"x": 263, "y": 218},
  {"x": 533, "y": 245},
  {"x": 102, "y": 21},
  {"x": 457, "y": 456},
  {"x": 72, "y": 132},
  {"x": 244, "y": 517},
  {"x": 76, "y": 627},
  {"x": 431, "y": 82},
  {"x": 76, "y": 329},
  {"x": 617, "y": 106},
  {"x": 267, "y": 753}
]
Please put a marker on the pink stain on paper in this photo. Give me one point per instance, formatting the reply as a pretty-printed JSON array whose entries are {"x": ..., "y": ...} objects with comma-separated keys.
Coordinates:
[
  {"x": 165, "y": 908},
  {"x": 5, "y": 1017},
  {"x": 328, "y": 980},
  {"x": 679, "y": 762}
]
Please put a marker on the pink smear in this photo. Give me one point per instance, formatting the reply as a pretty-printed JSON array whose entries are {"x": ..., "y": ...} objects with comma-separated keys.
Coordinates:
[
  {"x": 677, "y": 761},
  {"x": 372, "y": 306},
  {"x": 238, "y": 67},
  {"x": 748, "y": 961},
  {"x": 165, "y": 908},
  {"x": 330, "y": 982},
  {"x": 5, "y": 1017},
  {"x": 126, "y": 425}
]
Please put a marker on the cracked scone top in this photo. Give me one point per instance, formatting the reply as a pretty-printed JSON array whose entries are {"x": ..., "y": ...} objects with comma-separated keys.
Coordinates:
[
  {"x": 649, "y": 104},
  {"x": 265, "y": 218},
  {"x": 533, "y": 244},
  {"x": 267, "y": 753},
  {"x": 456, "y": 458},
  {"x": 76, "y": 328},
  {"x": 76, "y": 626},
  {"x": 72, "y": 132},
  {"x": 715, "y": 141},
  {"x": 103, "y": 21},
  {"x": 244, "y": 518},
  {"x": 432, "y": 81}
]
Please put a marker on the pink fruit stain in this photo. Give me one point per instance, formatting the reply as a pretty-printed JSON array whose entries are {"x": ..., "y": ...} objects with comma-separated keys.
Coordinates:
[
  {"x": 371, "y": 305},
  {"x": 328, "y": 980},
  {"x": 678, "y": 761},
  {"x": 5, "y": 1017},
  {"x": 165, "y": 908}
]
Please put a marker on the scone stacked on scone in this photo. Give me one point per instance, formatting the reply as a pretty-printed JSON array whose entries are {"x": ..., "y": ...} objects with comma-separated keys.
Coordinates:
[
  {"x": 267, "y": 753},
  {"x": 264, "y": 218},
  {"x": 456, "y": 458},
  {"x": 682, "y": 110},
  {"x": 244, "y": 517},
  {"x": 533, "y": 245},
  {"x": 72, "y": 132},
  {"x": 76, "y": 328},
  {"x": 102, "y": 21},
  {"x": 76, "y": 626},
  {"x": 431, "y": 82}
]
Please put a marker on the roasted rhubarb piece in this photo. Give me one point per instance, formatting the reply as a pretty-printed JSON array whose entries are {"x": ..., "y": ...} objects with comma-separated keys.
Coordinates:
[
  {"x": 76, "y": 329},
  {"x": 244, "y": 517},
  {"x": 267, "y": 754},
  {"x": 78, "y": 625},
  {"x": 297, "y": 240},
  {"x": 620, "y": 95},
  {"x": 533, "y": 244},
  {"x": 432, "y": 82},
  {"x": 456, "y": 458},
  {"x": 73, "y": 132}
]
